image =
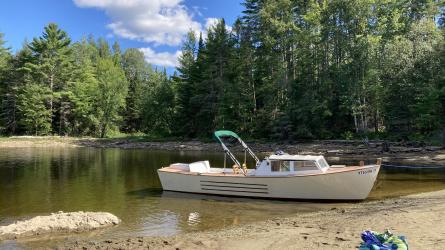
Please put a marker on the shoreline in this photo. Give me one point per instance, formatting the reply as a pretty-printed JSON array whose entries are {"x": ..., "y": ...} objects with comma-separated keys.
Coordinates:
[
  {"x": 336, "y": 227},
  {"x": 415, "y": 216},
  {"x": 333, "y": 150}
]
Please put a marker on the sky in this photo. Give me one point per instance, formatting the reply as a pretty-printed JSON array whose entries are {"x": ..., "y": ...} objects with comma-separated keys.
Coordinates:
[{"x": 156, "y": 27}]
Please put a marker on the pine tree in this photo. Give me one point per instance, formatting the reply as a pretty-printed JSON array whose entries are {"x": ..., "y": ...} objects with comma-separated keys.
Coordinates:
[
  {"x": 51, "y": 66},
  {"x": 5, "y": 56},
  {"x": 18, "y": 77},
  {"x": 5, "y": 74},
  {"x": 35, "y": 115},
  {"x": 185, "y": 89}
]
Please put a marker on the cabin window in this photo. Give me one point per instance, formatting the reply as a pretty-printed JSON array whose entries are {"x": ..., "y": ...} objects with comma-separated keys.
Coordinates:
[
  {"x": 305, "y": 165},
  {"x": 280, "y": 166},
  {"x": 323, "y": 163}
]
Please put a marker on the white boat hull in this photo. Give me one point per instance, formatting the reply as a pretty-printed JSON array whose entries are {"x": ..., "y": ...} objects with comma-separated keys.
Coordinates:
[{"x": 354, "y": 183}]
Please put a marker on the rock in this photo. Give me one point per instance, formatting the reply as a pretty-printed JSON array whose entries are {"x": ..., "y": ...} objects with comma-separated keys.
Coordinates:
[
  {"x": 340, "y": 239},
  {"x": 59, "y": 222}
]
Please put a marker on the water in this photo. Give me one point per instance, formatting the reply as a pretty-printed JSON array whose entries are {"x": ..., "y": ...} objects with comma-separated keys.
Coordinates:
[{"x": 125, "y": 183}]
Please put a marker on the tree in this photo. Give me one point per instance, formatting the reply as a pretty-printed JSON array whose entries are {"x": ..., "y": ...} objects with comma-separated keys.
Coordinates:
[
  {"x": 138, "y": 73},
  {"x": 19, "y": 75},
  {"x": 158, "y": 105},
  {"x": 5, "y": 56},
  {"x": 51, "y": 66},
  {"x": 185, "y": 87},
  {"x": 32, "y": 104},
  {"x": 5, "y": 69},
  {"x": 83, "y": 90},
  {"x": 110, "y": 95},
  {"x": 213, "y": 91}
]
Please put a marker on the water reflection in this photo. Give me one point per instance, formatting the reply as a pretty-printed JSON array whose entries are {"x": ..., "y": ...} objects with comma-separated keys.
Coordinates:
[{"x": 124, "y": 182}]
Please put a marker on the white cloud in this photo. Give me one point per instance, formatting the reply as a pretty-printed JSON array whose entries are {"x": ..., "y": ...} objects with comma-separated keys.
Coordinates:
[
  {"x": 161, "y": 59},
  {"x": 211, "y": 22},
  {"x": 153, "y": 21}
]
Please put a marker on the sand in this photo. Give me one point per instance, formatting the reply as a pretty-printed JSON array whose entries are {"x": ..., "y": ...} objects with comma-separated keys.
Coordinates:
[
  {"x": 58, "y": 222},
  {"x": 418, "y": 217}
]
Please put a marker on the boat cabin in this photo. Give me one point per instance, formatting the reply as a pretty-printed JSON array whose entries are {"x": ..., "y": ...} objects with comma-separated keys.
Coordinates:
[{"x": 291, "y": 165}]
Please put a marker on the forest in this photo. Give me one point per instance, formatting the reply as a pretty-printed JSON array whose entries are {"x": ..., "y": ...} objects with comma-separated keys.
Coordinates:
[{"x": 284, "y": 70}]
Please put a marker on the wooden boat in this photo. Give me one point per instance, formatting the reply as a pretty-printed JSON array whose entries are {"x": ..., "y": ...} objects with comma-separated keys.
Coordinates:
[{"x": 278, "y": 176}]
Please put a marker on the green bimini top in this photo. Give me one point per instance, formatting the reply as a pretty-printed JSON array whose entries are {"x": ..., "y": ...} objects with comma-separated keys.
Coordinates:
[{"x": 221, "y": 133}]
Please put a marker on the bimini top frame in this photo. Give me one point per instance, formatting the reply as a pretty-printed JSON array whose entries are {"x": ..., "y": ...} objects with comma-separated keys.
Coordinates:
[{"x": 222, "y": 133}]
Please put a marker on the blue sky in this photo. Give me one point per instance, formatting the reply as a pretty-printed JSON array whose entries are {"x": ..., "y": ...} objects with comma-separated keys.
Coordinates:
[{"x": 155, "y": 26}]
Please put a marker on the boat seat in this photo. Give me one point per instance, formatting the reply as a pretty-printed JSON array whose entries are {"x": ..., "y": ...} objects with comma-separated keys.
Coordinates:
[{"x": 200, "y": 167}]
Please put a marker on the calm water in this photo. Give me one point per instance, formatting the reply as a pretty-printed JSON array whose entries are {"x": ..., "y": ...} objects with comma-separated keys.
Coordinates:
[{"x": 125, "y": 183}]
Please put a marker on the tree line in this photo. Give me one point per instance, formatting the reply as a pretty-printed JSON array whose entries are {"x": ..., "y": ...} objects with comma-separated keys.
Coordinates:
[
  {"x": 294, "y": 69},
  {"x": 55, "y": 86},
  {"x": 285, "y": 69}
]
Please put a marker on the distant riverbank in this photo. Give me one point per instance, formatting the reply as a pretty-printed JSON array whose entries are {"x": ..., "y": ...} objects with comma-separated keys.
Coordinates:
[
  {"x": 411, "y": 154},
  {"x": 415, "y": 216}
]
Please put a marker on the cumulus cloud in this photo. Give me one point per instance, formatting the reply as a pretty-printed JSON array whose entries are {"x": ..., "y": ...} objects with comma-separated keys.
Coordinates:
[
  {"x": 162, "y": 58},
  {"x": 211, "y": 22},
  {"x": 153, "y": 21}
]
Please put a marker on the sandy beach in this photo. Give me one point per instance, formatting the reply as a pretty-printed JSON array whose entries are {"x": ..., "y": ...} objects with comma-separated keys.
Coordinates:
[{"x": 418, "y": 217}]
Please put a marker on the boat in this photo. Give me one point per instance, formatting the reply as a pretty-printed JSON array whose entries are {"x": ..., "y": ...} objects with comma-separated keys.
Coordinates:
[{"x": 277, "y": 176}]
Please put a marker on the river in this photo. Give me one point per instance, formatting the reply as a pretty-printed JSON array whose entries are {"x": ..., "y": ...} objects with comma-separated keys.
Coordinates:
[{"x": 35, "y": 181}]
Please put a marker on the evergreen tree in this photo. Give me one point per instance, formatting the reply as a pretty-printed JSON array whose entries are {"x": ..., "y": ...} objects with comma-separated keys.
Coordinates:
[
  {"x": 5, "y": 68},
  {"x": 185, "y": 88},
  {"x": 51, "y": 66},
  {"x": 5, "y": 56},
  {"x": 138, "y": 73},
  {"x": 32, "y": 104},
  {"x": 18, "y": 76}
]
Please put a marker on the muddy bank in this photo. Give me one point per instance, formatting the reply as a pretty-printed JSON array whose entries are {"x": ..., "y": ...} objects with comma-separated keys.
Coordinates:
[
  {"x": 412, "y": 154},
  {"x": 415, "y": 216},
  {"x": 58, "y": 223}
]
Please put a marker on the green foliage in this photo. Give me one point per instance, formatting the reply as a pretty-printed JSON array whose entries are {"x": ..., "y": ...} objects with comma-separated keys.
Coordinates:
[
  {"x": 138, "y": 73},
  {"x": 52, "y": 66},
  {"x": 109, "y": 95},
  {"x": 285, "y": 70},
  {"x": 185, "y": 86},
  {"x": 5, "y": 73},
  {"x": 83, "y": 90},
  {"x": 4, "y": 56},
  {"x": 32, "y": 105},
  {"x": 158, "y": 105}
]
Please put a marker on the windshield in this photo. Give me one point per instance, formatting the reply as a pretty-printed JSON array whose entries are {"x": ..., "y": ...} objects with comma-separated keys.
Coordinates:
[{"x": 322, "y": 163}]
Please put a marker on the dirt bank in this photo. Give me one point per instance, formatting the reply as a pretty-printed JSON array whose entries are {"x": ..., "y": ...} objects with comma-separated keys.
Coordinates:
[
  {"x": 412, "y": 154},
  {"x": 58, "y": 222},
  {"x": 418, "y": 217}
]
